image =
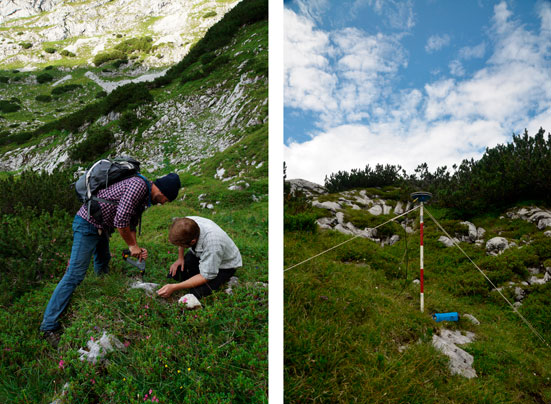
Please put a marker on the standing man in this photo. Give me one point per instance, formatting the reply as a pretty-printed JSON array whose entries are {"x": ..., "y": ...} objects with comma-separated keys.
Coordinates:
[
  {"x": 211, "y": 260},
  {"x": 132, "y": 196}
]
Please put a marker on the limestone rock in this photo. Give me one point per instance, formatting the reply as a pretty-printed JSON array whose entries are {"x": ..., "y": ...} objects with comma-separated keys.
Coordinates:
[
  {"x": 149, "y": 287},
  {"x": 461, "y": 362},
  {"x": 471, "y": 318},
  {"x": 496, "y": 245},
  {"x": 333, "y": 206},
  {"x": 190, "y": 301},
  {"x": 446, "y": 241},
  {"x": 308, "y": 187},
  {"x": 97, "y": 350}
]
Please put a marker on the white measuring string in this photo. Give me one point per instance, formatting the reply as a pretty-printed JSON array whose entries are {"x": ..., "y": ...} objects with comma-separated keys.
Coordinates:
[
  {"x": 491, "y": 283},
  {"x": 353, "y": 238}
]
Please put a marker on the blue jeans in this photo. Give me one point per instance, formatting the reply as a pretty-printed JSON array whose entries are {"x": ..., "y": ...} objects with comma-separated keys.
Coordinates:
[{"x": 86, "y": 242}]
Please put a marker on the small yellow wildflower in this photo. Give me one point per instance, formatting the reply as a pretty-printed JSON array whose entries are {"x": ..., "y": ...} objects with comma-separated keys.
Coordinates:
[{"x": 189, "y": 369}]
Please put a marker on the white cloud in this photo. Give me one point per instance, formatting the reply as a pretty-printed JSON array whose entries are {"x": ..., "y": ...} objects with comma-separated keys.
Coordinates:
[
  {"x": 338, "y": 74},
  {"x": 472, "y": 52},
  {"x": 398, "y": 14},
  {"x": 442, "y": 123},
  {"x": 437, "y": 42},
  {"x": 456, "y": 68}
]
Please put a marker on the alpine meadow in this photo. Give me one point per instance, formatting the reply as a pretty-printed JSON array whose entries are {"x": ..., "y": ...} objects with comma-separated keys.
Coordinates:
[
  {"x": 181, "y": 87},
  {"x": 358, "y": 254}
]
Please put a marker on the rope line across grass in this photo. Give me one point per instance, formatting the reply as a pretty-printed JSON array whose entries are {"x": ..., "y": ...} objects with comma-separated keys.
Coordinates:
[
  {"x": 489, "y": 280},
  {"x": 353, "y": 238}
]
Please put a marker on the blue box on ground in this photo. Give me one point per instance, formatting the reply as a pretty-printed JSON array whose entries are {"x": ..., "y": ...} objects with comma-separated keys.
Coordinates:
[{"x": 453, "y": 316}]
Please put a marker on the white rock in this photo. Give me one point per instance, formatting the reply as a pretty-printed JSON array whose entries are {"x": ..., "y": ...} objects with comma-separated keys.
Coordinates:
[
  {"x": 460, "y": 361},
  {"x": 190, "y": 301},
  {"x": 497, "y": 245},
  {"x": 233, "y": 282},
  {"x": 376, "y": 210},
  {"x": 446, "y": 241},
  {"x": 340, "y": 217},
  {"x": 471, "y": 318},
  {"x": 150, "y": 288},
  {"x": 333, "y": 206},
  {"x": 394, "y": 239},
  {"x": 326, "y": 222},
  {"x": 399, "y": 209},
  {"x": 473, "y": 234},
  {"x": 97, "y": 350}
]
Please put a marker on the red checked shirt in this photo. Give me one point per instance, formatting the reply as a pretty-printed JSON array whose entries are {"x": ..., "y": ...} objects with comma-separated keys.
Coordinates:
[{"x": 132, "y": 197}]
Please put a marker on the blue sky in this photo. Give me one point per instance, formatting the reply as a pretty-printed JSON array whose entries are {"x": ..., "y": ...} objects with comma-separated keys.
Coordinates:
[{"x": 405, "y": 82}]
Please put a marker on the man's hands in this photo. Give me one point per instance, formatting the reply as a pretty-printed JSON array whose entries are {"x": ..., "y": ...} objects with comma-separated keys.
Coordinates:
[
  {"x": 174, "y": 267},
  {"x": 137, "y": 252},
  {"x": 166, "y": 290}
]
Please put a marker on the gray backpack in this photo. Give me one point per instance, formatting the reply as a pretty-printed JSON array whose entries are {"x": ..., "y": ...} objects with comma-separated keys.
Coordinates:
[{"x": 102, "y": 174}]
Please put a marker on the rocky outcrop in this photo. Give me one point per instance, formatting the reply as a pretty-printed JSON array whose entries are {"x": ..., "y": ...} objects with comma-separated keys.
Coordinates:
[
  {"x": 307, "y": 187},
  {"x": 474, "y": 235},
  {"x": 87, "y": 28},
  {"x": 186, "y": 130},
  {"x": 540, "y": 217},
  {"x": 361, "y": 201}
]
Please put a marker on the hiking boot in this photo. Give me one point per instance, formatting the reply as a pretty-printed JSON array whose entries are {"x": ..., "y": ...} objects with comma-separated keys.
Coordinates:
[{"x": 52, "y": 337}]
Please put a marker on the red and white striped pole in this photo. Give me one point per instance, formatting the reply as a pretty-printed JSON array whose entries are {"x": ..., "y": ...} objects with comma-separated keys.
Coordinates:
[{"x": 422, "y": 282}]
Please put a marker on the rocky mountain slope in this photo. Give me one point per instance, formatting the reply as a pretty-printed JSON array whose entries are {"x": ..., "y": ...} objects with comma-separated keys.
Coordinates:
[
  {"x": 36, "y": 33},
  {"x": 353, "y": 294},
  {"x": 186, "y": 122}
]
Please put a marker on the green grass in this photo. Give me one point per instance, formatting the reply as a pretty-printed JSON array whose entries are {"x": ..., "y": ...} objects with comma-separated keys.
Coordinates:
[
  {"x": 215, "y": 354},
  {"x": 348, "y": 312}
]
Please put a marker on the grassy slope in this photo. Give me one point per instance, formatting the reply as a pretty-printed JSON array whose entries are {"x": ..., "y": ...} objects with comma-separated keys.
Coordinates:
[
  {"x": 216, "y": 354},
  {"x": 347, "y": 313}
]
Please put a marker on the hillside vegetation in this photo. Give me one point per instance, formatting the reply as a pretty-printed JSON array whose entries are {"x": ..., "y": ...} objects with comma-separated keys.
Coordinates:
[
  {"x": 354, "y": 331},
  {"x": 216, "y": 354}
]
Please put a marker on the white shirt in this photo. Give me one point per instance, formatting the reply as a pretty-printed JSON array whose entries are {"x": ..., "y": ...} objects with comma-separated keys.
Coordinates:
[{"x": 214, "y": 248}]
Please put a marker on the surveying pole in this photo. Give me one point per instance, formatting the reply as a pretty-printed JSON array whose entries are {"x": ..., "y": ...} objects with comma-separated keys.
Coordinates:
[{"x": 422, "y": 197}]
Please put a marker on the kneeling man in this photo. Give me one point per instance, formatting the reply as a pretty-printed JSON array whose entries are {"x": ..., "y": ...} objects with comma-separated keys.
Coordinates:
[{"x": 211, "y": 260}]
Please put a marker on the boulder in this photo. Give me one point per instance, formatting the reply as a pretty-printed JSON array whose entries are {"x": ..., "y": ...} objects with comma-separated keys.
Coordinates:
[
  {"x": 473, "y": 233},
  {"x": 399, "y": 208},
  {"x": 496, "y": 245},
  {"x": 394, "y": 239},
  {"x": 376, "y": 210},
  {"x": 340, "y": 217},
  {"x": 333, "y": 206},
  {"x": 446, "y": 241},
  {"x": 308, "y": 187},
  {"x": 326, "y": 222}
]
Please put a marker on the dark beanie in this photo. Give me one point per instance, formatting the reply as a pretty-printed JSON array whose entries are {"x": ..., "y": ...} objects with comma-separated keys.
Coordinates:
[{"x": 169, "y": 185}]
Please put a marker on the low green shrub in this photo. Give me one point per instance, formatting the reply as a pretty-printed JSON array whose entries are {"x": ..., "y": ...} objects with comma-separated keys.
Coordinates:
[
  {"x": 101, "y": 94},
  {"x": 33, "y": 247},
  {"x": 65, "y": 88},
  {"x": 67, "y": 53},
  {"x": 98, "y": 141},
  {"x": 104, "y": 57},
  {"x": 142, "y": 44},
  {"x": 44, "y": 78},
  {"x": 210, "y": 14},
  {"x": 43, "y": 98},
  {"x": 207, "y": 58},
  {"x": 129, "y": 121},
  {"x": 8, "y": 106},
  {"x": 4, "y": 79},
  {"x": 300, "y": 222},
  {"x": 50, "y": 50},
  {"x": 26, "y": 45}
]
